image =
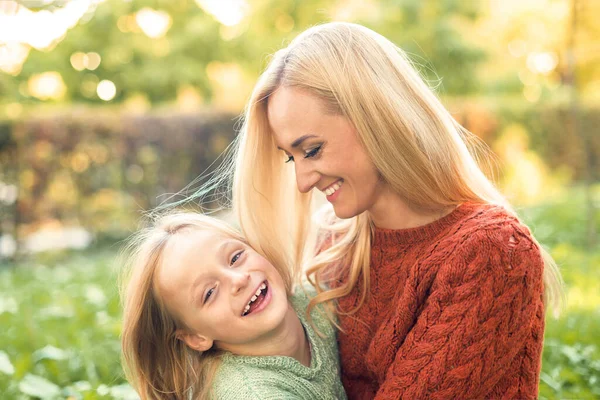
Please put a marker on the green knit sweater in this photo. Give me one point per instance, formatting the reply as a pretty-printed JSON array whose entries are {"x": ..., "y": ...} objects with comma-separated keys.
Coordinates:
[{"x": 281, "y": 377}]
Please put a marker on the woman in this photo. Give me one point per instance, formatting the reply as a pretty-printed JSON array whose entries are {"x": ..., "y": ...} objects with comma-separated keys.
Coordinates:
[{"x": 439, "y": 288}]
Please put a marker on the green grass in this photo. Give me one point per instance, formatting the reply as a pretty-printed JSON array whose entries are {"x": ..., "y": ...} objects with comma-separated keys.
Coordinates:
[
  {"x": 60, "y": 319},
  {"x": 571, "y": 359},
  {"x": 61, "y": 326}
]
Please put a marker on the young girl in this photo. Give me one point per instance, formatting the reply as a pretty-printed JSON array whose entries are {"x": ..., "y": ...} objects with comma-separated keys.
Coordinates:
[{"x": 206, "y": 316}]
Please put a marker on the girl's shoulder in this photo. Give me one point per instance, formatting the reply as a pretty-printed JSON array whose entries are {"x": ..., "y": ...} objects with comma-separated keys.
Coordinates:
[
  {"x": 245, "y": 378},
  {"x": 303, "y": 293}
]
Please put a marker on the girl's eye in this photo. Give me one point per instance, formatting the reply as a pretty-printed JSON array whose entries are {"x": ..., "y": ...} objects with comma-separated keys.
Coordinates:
[
  {"x": 290, "y": 158},
  {"x": 313, "y": 152},
  {"x": 208, "y": 294},
  {"x": 236, "y": 257}
]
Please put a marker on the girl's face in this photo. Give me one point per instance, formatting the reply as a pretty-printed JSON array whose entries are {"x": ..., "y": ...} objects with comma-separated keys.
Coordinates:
[
  {"x": 222, "y": 290},
  {"x": 325, "y": 151}
]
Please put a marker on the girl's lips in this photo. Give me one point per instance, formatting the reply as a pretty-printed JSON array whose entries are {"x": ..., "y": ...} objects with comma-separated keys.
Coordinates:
[{"x": 264, "y": 303}]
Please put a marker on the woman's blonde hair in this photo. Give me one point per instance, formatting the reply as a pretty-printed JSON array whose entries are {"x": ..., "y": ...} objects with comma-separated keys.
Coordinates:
[
  {"x": 420, "y": 151},
  {"x": 156, "y": 362}
]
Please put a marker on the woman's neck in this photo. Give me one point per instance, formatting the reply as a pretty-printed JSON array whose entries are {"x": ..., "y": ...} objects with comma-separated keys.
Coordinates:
[{"x": 390, "y": 211}]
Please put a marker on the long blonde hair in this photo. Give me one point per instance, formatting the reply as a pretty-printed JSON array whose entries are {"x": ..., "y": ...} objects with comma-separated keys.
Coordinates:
[
  {"x": 156, "y": 362},
  {"x": 418, "y": 148}
]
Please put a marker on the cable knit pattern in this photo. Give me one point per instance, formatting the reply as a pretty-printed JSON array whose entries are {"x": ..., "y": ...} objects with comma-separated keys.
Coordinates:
[
  {"x": 455, "y": 312},
  {"x": 279, "y": 377}
]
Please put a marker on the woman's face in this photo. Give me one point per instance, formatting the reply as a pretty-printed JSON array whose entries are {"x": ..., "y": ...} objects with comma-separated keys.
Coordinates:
[
  {"x": 211, "y": 283},
  {"x": 325, "y": 151}
]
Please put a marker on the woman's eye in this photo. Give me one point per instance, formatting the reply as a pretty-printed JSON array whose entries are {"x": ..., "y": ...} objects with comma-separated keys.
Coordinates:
[
  {"x": 236, "y": 257},
  {"x": 290, "y": 158},
  {"x": 208, "y": 294},
  {"x": 312, "y": 152}
]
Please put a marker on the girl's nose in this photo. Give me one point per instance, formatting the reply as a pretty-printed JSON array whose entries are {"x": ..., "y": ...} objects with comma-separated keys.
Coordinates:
[{"x": 239, "y": 281}]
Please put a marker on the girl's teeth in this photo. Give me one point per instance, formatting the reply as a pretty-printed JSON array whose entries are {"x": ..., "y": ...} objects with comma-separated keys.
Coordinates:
[
  {"x": 258, "y": 291},
  {"x": 263, "y": 286},
  {"x": 253, "y": 298},
  {"x": 246, "y": 309}
]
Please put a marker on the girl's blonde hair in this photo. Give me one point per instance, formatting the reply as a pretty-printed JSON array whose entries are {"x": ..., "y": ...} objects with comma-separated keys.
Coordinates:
[
  {"x": 420, "y": 151},
  {"x": 156, "y": 362}
]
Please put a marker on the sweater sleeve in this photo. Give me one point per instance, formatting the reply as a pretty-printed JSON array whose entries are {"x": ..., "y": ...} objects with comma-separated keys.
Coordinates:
[{"x": 480, "y": 310}]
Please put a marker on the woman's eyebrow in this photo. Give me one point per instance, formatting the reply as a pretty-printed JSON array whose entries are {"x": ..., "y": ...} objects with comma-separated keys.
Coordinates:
[{"x": 299, "y": 141}]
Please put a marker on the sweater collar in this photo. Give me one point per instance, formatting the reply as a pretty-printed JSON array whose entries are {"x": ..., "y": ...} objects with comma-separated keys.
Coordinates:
[{"x": 382, "y": 237}]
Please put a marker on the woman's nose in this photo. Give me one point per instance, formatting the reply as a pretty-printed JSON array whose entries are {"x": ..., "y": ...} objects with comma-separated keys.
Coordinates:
[{"x": 306, "y": 177}]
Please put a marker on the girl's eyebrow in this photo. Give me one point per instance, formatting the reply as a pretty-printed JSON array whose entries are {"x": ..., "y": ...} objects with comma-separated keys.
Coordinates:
[
  {"x": 196, "y": 283},
  {"x": 224, "y": 244}
]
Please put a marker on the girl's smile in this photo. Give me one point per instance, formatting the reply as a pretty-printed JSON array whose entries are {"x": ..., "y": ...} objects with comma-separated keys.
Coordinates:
[{"x": 259, "y": 300}]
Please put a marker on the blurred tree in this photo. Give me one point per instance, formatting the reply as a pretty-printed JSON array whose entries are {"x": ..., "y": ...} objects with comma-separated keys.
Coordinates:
[{"x": 152, "y": 51}]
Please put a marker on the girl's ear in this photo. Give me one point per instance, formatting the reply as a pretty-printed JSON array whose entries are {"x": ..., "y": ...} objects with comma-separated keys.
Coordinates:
[{"x": 194, "y": 340}]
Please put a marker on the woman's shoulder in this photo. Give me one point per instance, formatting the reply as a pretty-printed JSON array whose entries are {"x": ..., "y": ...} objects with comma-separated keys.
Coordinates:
[
  {"x": 483, "y": 220},
  {"x": 494, "y": 236}
]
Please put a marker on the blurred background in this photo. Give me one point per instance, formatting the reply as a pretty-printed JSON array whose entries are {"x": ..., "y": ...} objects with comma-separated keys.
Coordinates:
[{"x": 108, "y": 105}]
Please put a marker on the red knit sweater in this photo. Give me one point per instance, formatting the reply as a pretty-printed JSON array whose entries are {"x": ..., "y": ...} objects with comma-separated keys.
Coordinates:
[{"x": 455, "y": 311}]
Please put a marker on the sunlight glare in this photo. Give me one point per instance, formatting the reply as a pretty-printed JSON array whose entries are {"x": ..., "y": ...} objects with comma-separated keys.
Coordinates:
[
  {"x": 227, "y": 12},
  {"x": 154, "y": 23}
]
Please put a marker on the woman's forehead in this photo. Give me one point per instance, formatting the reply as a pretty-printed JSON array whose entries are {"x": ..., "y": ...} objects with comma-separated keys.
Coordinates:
[{"x": 294, "y": 116}]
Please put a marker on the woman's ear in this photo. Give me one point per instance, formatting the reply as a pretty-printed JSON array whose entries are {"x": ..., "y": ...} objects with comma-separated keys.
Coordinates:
[{"x": 194, "y": 340}]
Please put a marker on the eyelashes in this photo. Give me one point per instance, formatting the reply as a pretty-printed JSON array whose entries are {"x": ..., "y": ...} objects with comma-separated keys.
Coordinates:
[
  {"x": 311, "y": 153},
  {"x": 236, "y": 257},
  {"x": 233, "y": 260},
  {"x": 208, "y": 294}
]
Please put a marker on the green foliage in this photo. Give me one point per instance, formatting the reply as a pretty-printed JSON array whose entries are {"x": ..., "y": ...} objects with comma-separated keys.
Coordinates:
[
  {"x": 560, "y": 223},
  {"x": 571, "y": 359},
  {"x": 99, "y": 170},
  {"x": 62, "y": 327},
  {"x": 547, "y": 130},
  {"x": 157, "y": 68}
]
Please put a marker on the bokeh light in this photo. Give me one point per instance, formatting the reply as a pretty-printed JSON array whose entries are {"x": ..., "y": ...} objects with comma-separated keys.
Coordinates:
[
  {"x": 47, "y": 86},
  {"x": 93, "y": 61},
  {"x": 542, "y": 63},
  {"x": 106, "y": 90},
  {"x": 41, "y": 29},
  {"x": 154, "y": 23},
  {"x": 12, "y": 57}
]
